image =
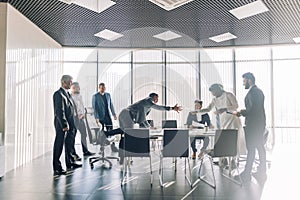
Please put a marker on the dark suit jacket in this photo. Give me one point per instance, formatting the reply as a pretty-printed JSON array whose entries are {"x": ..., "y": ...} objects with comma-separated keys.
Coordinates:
[
  {"x": 63, "y": 111},
  {"x": 191, "y": 118},
  {"x": 255, "y": 120},
  {"x": 142, "y": 108}
]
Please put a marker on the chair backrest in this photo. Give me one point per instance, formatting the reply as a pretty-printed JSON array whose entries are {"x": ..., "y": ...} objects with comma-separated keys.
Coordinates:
[
  {"x": 169, "y": 123},
  {"x": 176, "y": 143},
  {"x": 91, "y": 125},
  {"x": 225, "y": 143},
  {"x": 136, "y": 143}
]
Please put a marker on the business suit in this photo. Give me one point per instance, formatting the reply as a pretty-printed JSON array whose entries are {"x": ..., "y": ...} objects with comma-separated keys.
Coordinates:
[
  {"x": 204, "y": 119},
  {"x": 63, "y": 117},
  {"x": 103, "y": 109},
  {"x": 137, "y": 112},
  {"x": 255, "y": 123}
]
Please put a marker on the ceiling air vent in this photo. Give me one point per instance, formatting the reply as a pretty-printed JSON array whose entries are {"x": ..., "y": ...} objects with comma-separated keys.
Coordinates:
[{"x": 170, "y": 4}]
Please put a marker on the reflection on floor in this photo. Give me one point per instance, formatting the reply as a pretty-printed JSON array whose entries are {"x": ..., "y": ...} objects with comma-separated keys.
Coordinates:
[{"x": 35, "y": 181}]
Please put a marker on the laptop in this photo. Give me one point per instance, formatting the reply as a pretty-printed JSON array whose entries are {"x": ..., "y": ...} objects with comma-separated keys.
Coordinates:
[{"x": 169, "y": 123}]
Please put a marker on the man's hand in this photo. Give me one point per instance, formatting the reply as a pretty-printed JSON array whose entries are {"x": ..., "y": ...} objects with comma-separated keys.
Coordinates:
[
  {"x": 177, "y": 108},
  {"x": 65, "y": 129}
]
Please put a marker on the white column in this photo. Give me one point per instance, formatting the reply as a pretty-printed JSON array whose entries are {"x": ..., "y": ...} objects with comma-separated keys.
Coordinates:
[{"x": 3, "y": 31}]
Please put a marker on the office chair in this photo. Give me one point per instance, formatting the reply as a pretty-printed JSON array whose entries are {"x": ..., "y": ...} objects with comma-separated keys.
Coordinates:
[
  {"x": 175, "y": 144},
  {"x": 225, "y": 146},
  {"x": 136, "y": 144},
  {"x": 98, "y": 138}
]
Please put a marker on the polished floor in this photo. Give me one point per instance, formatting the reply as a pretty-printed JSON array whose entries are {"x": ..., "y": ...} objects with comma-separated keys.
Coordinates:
[{"x": 35, "y": 181}]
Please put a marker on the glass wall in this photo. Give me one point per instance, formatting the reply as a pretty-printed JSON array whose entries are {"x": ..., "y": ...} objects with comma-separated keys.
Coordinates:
[{"x": 183, "y": 75}]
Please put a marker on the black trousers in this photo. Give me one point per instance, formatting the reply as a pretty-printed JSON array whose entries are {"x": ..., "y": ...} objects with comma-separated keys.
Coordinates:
[
  {"x": 61, "y": 139},
  {"x": 106, "y": 123}
]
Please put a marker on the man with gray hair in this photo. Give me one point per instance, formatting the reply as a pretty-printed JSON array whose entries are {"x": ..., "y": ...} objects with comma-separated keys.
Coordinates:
[{"x": 64, "y": 126}]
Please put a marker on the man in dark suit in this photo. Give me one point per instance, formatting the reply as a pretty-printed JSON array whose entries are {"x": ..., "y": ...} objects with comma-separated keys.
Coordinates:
[
  {"x": 201, "y": 119},
  {"x": 255, "y": 123},
  {"x": 64, "y": 126},
  {"x": 136, "y": 114}
]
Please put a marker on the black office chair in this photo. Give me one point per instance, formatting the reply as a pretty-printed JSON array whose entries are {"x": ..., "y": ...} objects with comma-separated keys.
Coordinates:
[
  {"x": 98, "y": 137},
  {"x": 225, "y": 146},
  {"x": 136, "y": 144},
  {"x": 175, "y": 144}
]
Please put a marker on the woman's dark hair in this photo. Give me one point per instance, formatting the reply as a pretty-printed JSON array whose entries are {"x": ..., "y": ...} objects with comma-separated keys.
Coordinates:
[{"x": 198, "y": 101}]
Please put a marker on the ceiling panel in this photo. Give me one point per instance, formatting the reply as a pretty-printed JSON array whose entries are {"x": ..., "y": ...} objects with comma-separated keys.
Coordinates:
[{"x": 139, "y": 20}]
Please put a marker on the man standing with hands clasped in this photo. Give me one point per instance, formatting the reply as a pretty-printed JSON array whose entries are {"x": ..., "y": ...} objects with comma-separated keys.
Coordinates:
[
  {"x": 103, "y": 109},
  {"x": 64, "y": 126},
  {"x": 255, "y": 121}
]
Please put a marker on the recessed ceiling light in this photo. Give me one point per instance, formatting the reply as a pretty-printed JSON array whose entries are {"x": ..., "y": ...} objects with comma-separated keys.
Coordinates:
[
  {"x": 67, "y": 1},
  {"x": 249, "y": 10},
  {"x": 166, "y": 36},
  {"x": 223, "y": 37},
  {"x": 108, "y": 35},
  {"x": 296, "y": 39},
  {"x": 170, "y": 4},
  {"x": 95, "y": 5}
]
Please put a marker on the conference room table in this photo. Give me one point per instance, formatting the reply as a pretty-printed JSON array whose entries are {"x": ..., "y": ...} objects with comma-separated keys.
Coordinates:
[{"x": 195, "y": 132}]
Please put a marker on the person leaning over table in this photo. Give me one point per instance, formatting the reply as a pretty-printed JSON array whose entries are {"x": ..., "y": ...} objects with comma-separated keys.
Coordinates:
[
  {"x": 202, "y": 119},
  {"x": 137, "y": 113}
]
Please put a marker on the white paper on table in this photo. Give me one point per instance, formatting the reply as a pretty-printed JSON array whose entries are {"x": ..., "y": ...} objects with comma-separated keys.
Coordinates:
[{"x": 197, "y": 125}]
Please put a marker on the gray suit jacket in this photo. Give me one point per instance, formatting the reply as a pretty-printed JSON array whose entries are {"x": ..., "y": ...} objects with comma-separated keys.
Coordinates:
[
  {"x": 99, "y": 106},
  {"x": 142, "y": 108}
]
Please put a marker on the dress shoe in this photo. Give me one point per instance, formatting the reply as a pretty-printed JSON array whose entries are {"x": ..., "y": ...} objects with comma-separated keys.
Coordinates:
[
  {"x": 88, "y": 153},
  {"x": 59, "y": 172},
  {"x": 75, "y": 165},
  {"x": 114, "y": 148},
  {"x": 194, "y": 156},
  {"x": 76, "y": 157}
]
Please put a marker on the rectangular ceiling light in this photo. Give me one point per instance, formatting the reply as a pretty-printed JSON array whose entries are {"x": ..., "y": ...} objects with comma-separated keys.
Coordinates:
[
  {"x": 108, "y": 35},
  {"x": 95, "y": 5},
  {"x": 67, "y": 1},
  {"x": 296, "y": 39},
  {"x": 166, "y": 36},
  {"x": 170, "y": 4},
  {"x": 249, "y": 10},
  {"x": 223, "y": 37}
]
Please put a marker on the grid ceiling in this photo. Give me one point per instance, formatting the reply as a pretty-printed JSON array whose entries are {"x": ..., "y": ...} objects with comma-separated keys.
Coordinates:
[{"x": 139, "y": 20}]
